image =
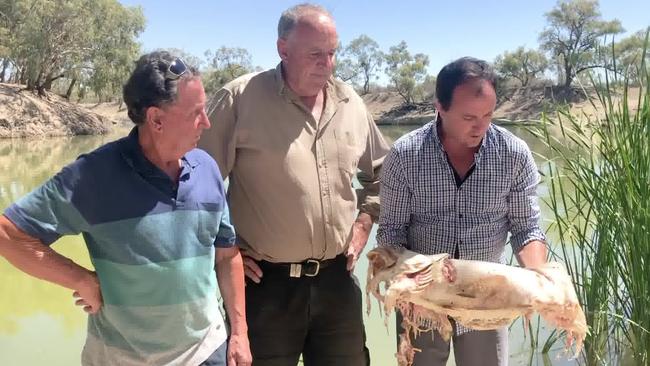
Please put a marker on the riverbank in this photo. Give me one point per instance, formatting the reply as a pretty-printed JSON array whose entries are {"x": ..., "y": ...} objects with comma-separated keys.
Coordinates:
[
  {"x": 518, "y": 106},
  {"x": 24, "y": 114}
]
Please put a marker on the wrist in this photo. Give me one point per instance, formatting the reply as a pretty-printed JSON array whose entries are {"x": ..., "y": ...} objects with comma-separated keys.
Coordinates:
[
  {"x": 364, "y": 221},
  {"x": 85, "y": 279},
  {"x": 239, "y": 332}
]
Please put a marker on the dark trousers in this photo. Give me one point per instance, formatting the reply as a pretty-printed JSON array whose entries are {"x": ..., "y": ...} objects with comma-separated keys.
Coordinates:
[
  {"x": 319, "y": 317},
  {"x": 218, "y": 358},
  {"x": 477, "y": 348}
]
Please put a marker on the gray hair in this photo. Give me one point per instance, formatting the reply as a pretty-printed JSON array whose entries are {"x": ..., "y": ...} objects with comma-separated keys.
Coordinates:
[
  {"x": 291, "y": 16},
  {"x": 148, "y": 85}
]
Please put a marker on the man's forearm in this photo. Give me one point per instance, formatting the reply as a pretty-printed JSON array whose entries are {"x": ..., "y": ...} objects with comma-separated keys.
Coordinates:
[
  {"x": 364, "y": 222},
  {"x": 230, "y": 275},
  {"x": 31, "y": 256},
  {"x": 533, "y": 254}
]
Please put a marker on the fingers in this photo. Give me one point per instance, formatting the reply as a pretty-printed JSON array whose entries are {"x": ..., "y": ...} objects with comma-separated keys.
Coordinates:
[
  {"x": 352, "y": 261},
  {"x": 87, "y": 306},
  {"x": 242, "y": 361},
  {"x": 252, "y": 275},
  {"x": 252, "y": 270}
]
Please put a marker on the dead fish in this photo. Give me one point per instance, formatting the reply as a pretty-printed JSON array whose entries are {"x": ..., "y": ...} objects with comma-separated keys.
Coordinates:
[{"x": 428, "y": 289}]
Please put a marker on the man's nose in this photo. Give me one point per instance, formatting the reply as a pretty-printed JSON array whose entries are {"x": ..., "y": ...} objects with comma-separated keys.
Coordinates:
[{"x": 205, "y": 121}]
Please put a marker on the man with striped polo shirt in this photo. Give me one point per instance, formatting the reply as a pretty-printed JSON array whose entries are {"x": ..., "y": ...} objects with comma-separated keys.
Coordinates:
[{"x": 152, "y": 210}]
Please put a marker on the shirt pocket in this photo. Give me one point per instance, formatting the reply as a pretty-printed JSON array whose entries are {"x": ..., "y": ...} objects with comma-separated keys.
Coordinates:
[{"x": 347, "y": 151}]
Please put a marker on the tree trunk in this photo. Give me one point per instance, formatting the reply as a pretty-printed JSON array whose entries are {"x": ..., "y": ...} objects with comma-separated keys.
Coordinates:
[
  {"x": 366, "y": 82},
  {"x": 568, "y": 77},
  {"x": 5, "y": 65},
  {"x": 23, "y": 77},
  {"x": 68, "y": 93},
  {"x": 47, "y": 84}
]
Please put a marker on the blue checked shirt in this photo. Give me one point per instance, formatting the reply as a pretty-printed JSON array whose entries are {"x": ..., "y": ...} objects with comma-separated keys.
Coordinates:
[{"x": 423, "y": 209}]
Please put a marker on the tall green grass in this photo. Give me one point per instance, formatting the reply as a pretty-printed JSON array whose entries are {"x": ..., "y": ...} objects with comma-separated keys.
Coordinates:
[{"x": 599, "y": 185}]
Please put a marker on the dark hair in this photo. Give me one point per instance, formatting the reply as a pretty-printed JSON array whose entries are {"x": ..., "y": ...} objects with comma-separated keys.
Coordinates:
[
  {"x": 147, "y": 86},
  {"x": 459, "y": 72},
  {"x": 291, "y": 16}
]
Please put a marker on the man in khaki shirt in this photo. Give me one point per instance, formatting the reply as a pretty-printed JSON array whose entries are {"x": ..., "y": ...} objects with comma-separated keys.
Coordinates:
[{"x": 291, "y": 140}]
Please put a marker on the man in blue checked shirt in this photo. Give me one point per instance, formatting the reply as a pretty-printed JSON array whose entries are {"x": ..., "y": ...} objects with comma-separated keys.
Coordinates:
[{"x": 458, "y": 185}]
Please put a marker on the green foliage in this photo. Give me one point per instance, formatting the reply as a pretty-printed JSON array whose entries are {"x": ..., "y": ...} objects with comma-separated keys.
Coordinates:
[
  {"x": 89, "y": 41},
  {"x": 575, "y": 29},
  {"x": 523, "y": 65},
  {"x": 359, "y": 62},
  {"x": 405, "y": 71},
  {"x": 628, "y": 53},
  {"x": 225, "y": 64},
  {"x": 600, "y": 197},
  {"x": 190, "y": 59},
  {"x": 426, "y": 90}
]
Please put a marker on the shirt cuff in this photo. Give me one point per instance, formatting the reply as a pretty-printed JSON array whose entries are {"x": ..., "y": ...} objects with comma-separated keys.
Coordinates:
[{"x": 521, "y": 239}]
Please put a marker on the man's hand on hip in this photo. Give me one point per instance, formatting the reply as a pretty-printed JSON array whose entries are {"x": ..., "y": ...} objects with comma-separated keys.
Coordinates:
[
  {"x": 88, "y": 293},
  {"x": 251, "y": 269}
]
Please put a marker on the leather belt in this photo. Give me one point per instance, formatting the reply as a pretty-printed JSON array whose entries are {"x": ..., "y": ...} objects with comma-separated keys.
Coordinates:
[{"x": 306, "y": 268}]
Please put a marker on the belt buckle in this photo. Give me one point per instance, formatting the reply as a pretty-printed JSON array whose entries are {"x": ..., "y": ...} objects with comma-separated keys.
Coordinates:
[
  {"x": 315, "y": 273},
  {"x": 295, "y": 270}
]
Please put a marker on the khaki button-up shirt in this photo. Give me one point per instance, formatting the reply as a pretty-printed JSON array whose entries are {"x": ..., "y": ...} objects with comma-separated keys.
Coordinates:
[{"x": 290, "y": 176}]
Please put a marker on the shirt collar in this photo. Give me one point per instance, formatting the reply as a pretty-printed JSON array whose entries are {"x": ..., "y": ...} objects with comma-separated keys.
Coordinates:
[
  {"x": 334, "y": 90},
  {"x": 135, "y": 158}
]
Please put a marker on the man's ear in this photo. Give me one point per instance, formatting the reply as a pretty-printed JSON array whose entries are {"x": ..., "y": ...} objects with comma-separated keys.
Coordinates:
[
  {"x": 441, "y": 112},
  {"x": 282, "y": 48},
  {"x": 154, "y": 118}
]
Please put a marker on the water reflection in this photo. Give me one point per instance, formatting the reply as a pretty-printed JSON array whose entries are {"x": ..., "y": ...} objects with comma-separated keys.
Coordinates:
[{"x": 39, "y": 323}]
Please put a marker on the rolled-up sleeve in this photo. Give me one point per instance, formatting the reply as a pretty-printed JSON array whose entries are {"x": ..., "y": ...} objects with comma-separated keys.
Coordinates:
[
  {"x": 396, "y": 196},
  {"x": 524, "y": 211},
  {"x": 370, "y": 165}
]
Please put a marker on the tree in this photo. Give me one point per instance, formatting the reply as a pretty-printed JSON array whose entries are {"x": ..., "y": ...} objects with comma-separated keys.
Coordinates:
[
  {"x": 226, "y": 64},
  {"x": 12, "y": 14},
  {"x": 405, "y": 71},
  {"x": 187, "y": 57},
  {"x": 574, "y": 32},
  {"x": 426, "y": 90},
  {"x": 359, "y": 62},
  {"x": 629, "y": 52},
  {"x": 90, "y": 40},
  {"x": 523, "y": 65}
]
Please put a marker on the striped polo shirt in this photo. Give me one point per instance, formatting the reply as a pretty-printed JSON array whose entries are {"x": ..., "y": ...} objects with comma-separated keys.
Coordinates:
[{"x": 152, "y": 244}]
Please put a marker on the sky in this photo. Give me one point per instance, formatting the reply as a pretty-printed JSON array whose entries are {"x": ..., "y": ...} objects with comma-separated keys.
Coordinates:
[{"x": 443, "y": 30}]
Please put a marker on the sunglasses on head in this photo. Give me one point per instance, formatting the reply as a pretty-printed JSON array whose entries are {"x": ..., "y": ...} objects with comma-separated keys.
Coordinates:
[{"x": 176, "y": 69}]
